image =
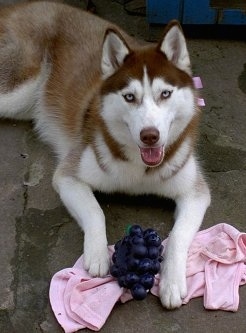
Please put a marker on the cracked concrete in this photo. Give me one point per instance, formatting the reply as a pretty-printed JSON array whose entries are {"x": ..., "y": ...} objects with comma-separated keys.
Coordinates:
[{"x": 38, "y": 237}]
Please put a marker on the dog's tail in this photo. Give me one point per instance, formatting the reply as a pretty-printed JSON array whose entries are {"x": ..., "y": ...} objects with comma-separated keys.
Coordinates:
[{"x": 20, "y": 102}]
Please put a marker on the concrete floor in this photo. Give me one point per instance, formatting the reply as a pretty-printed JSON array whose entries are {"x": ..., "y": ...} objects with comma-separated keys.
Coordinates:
[{"x": 38, "y": 237}]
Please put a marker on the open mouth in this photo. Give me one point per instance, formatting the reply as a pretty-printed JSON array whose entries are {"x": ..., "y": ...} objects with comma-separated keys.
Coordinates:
[{"x": 152, "y": 156}]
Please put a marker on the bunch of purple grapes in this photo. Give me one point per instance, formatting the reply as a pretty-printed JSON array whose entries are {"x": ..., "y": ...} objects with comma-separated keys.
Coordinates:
[{"x": 136, "y": 260}]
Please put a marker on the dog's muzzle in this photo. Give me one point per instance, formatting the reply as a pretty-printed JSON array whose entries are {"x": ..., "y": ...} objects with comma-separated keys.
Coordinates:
[{"x": 152, "y": 156}]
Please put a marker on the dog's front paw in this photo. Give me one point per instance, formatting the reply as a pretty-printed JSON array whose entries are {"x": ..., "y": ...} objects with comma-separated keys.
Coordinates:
[
  {"x": 96, "y": 259},
  {"x": 172, "y": 290}
]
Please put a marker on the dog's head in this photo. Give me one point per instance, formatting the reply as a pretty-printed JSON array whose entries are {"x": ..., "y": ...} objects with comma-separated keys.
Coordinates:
[{"x": 147, "y": 93}]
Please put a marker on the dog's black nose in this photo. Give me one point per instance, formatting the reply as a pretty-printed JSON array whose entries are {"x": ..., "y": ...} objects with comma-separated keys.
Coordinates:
[{"x": 149, "y": 135}]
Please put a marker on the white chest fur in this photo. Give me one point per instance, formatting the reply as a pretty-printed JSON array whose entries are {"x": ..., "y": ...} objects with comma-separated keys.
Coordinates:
[{"x": 132, "y": 178}]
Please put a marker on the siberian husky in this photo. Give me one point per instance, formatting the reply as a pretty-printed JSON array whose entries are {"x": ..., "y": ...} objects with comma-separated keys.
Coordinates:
[{"x": 119, "y": 116}]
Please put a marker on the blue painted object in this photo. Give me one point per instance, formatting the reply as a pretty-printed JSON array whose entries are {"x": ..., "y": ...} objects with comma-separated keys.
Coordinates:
[
  {"x": 198, "y": 12},
  {"x": 162, "y": 11},
  {"x": 192, "y": 12},
  {"x": 230, "y": 16}
]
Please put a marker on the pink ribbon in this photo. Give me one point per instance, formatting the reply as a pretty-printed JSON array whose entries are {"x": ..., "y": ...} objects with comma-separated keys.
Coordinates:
[{"x": 198, "y": 85}]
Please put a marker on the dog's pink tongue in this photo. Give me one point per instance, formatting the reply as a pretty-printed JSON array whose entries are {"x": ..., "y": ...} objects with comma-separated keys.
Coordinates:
[{"x": 152, "y": 156}]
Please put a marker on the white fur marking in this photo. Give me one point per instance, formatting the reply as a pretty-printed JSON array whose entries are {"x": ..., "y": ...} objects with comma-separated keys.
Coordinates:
[{"x": 18, "y": 103}]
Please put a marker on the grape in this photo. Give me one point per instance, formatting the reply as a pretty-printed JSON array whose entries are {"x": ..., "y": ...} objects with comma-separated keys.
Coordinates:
[
  {"x": 153, "y": 240},
  {"x": 125, "y": 240},
  {"x": 145, "y": 265},
  {"x": 122, "y": 281},
  {"x": 121, "y": 253},
  {"x": 153, "y": 252},
  {"x": 137, "y": 240},
  {"x": 136, "y": 260},
  {"x": 155, "y": 266},
  {"x": 117, "y": 245},
  {"x": 114, "y": 256},
  {"x": 114, "y": 271},
  {"x": 139, "y": 251},
  {"x": 147, "y": 280},
  {"x": 135, "y": 230},
  {"x": 131, "y": 278},
  {"x": 148, "y": 232},
  {"x": 132, "y": 263},
  {"x": 138, "y": 292},
  {"x": 122, "y": 269}
]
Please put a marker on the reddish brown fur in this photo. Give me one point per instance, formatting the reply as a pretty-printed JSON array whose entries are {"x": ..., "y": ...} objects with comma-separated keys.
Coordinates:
[
  {"x": 92, "y": 124},
  {"x": 71, "y": 87},
  {"x": 156, "y": 64}
]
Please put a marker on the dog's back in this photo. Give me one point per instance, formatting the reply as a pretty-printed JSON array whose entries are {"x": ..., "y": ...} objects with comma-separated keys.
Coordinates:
[
  {"x": 27, "y": 31},
  {"x": 56, "y": 46}
]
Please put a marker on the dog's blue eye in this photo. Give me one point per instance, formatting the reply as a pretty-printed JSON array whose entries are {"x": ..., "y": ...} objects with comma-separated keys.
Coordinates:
[
  {"x": 165, "y": 94},
  {"x": 129, "y": 98}
]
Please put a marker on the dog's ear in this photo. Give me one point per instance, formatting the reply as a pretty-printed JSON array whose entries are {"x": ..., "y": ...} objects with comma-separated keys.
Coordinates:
[
  {"x": 114, "y": 52},
  {"x": 174, "y": 46}
]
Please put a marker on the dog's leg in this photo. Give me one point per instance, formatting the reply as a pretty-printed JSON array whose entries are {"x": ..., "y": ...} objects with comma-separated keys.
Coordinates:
[
  {"x": 189, "y": 214},
  {"x": 83, "y": 206}
]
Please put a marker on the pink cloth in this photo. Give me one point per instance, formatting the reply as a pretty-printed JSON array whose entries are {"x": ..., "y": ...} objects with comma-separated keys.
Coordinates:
[
  {"x": 219, "y": 255},
  {"x": 215, "y": 269}
]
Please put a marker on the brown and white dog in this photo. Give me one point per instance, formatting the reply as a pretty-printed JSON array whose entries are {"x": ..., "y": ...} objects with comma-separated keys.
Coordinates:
[{"x": 119, "y": 116}]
